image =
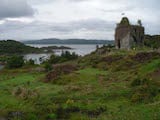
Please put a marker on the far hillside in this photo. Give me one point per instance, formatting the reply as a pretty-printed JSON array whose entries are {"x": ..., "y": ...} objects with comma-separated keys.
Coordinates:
[
  {"x": 15, "y": 47},
  {"x": 68, "y": 41}
]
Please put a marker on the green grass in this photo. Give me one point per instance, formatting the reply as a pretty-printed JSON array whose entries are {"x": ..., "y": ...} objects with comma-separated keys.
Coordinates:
[
  {"x": 89, "y": 93},
  {"x": 150, "y": 67}
]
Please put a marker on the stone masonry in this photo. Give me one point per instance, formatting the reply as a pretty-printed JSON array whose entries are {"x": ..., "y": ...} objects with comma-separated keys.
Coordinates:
[{"x": 128, "y": 36}]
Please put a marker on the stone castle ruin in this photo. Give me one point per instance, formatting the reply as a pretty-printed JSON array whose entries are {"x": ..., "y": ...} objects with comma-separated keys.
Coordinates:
[{"x": 128, "y": 36}]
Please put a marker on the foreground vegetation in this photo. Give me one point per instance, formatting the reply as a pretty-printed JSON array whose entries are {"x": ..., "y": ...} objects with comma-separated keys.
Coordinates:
[{"x": 107, "y": 84}]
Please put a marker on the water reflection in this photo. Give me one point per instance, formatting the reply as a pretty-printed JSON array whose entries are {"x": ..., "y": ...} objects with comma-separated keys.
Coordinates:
[
  {"x": 38, "y": 58},
  {"x": 78, "y": 49}
]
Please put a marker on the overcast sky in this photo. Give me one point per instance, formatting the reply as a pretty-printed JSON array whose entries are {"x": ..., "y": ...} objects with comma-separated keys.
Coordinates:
[{"x": 90, "y": 19}]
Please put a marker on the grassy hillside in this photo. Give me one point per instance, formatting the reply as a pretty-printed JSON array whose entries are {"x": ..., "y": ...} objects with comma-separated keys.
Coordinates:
[
  {"x": 107, "y": 84},
  {"x": 14, "y": 47}
]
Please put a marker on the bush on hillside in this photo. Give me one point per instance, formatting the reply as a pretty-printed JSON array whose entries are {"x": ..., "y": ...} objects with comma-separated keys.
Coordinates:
[
  {"x": 65, "y": 56},
  {"x": 143, "y": 90},
  {"x": 30, "y": 62},
  {"x": 58, "y": 71},
  {"x": 15, "y": 62},
  {"x": 137, "y": 82},
  {"x": 48, "y": 67},
  {"x": 145, "y": 56},
  {"x": 24, "y": 93},
  {"x": 152, "y": 41}
]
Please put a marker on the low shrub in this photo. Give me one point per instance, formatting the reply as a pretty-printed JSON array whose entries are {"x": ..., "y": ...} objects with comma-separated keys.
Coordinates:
[
  {"x": 143, "y": 90},
  {"x": 24, "y": 93},
  {"x": 31, "y": 116},
  {"x": 102, "y": 66},
  {"x": 65, "y": 56},
  {"x": 65, "y": 112},
  {"x": 145, "y": 56},
  {"x": 52, "y": 116},
  {"x": 15, "y": 62},
  {"x": 137, "y": 82},
  {"x": 60, "y": 70},
  {"x": 112, "y": 58},
  {"x": 30, "y": 62},
  {"x": 48, "y": 67}
]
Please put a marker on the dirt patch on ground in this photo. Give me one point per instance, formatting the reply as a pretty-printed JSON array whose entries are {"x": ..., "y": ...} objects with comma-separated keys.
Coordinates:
[
  {"x": 60, "y": 70},
  {"x": 145, "y": 56},
  {"x": 156, "y": 75},
  {"x": 111, "y": 59}
]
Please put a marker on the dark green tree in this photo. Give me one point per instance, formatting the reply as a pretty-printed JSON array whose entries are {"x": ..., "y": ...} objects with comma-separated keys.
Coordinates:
[
  {"x": 30, "y": 62},
  {"x": 65, "y": 56},
  {"x": 15, "y": 62},
  {"x": 48, "y": 67}
]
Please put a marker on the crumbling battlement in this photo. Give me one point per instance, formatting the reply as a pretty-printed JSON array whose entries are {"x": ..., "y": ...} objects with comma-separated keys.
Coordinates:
[{"x": 128, "y": 36}]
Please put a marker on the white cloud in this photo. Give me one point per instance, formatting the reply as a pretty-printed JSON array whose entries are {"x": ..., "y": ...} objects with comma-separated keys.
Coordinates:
[{"x": 90, "y": 28}]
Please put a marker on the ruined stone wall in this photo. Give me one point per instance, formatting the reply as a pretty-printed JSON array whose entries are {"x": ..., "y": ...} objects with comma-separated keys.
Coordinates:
[
  {"x": 127, "y": 36},
  {"x": 125, "y": 42},
  {"x": 137, "y": 34},
  {"x": 120, "y": 37}
]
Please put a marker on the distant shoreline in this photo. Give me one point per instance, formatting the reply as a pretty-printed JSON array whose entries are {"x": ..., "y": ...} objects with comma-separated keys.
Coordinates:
[
  {"x": 16, "y": 47},
  {"x": 68, "y": 41}
]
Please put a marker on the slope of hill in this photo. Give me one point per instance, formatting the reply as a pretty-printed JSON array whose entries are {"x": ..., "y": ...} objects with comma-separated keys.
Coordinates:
[{"x": 108, "y": 84}]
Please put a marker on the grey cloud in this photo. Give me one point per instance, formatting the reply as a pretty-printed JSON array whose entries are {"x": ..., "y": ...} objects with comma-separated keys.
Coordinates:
[
  {"x": 84, "y": 25},
  {"x": 120, "y": 9},
  {"x": 78, "y": 0},
  {"x": 90, "y": 28},
  {"x": 41, "y": 2},
  {"x": 90, "y": 22},
  {"x": 15, "y": 8},
  {"x": 26, "y": 30}
]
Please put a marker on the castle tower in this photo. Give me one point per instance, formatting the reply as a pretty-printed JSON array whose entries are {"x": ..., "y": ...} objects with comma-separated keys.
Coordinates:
[{"x": 128, "y": 36}]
